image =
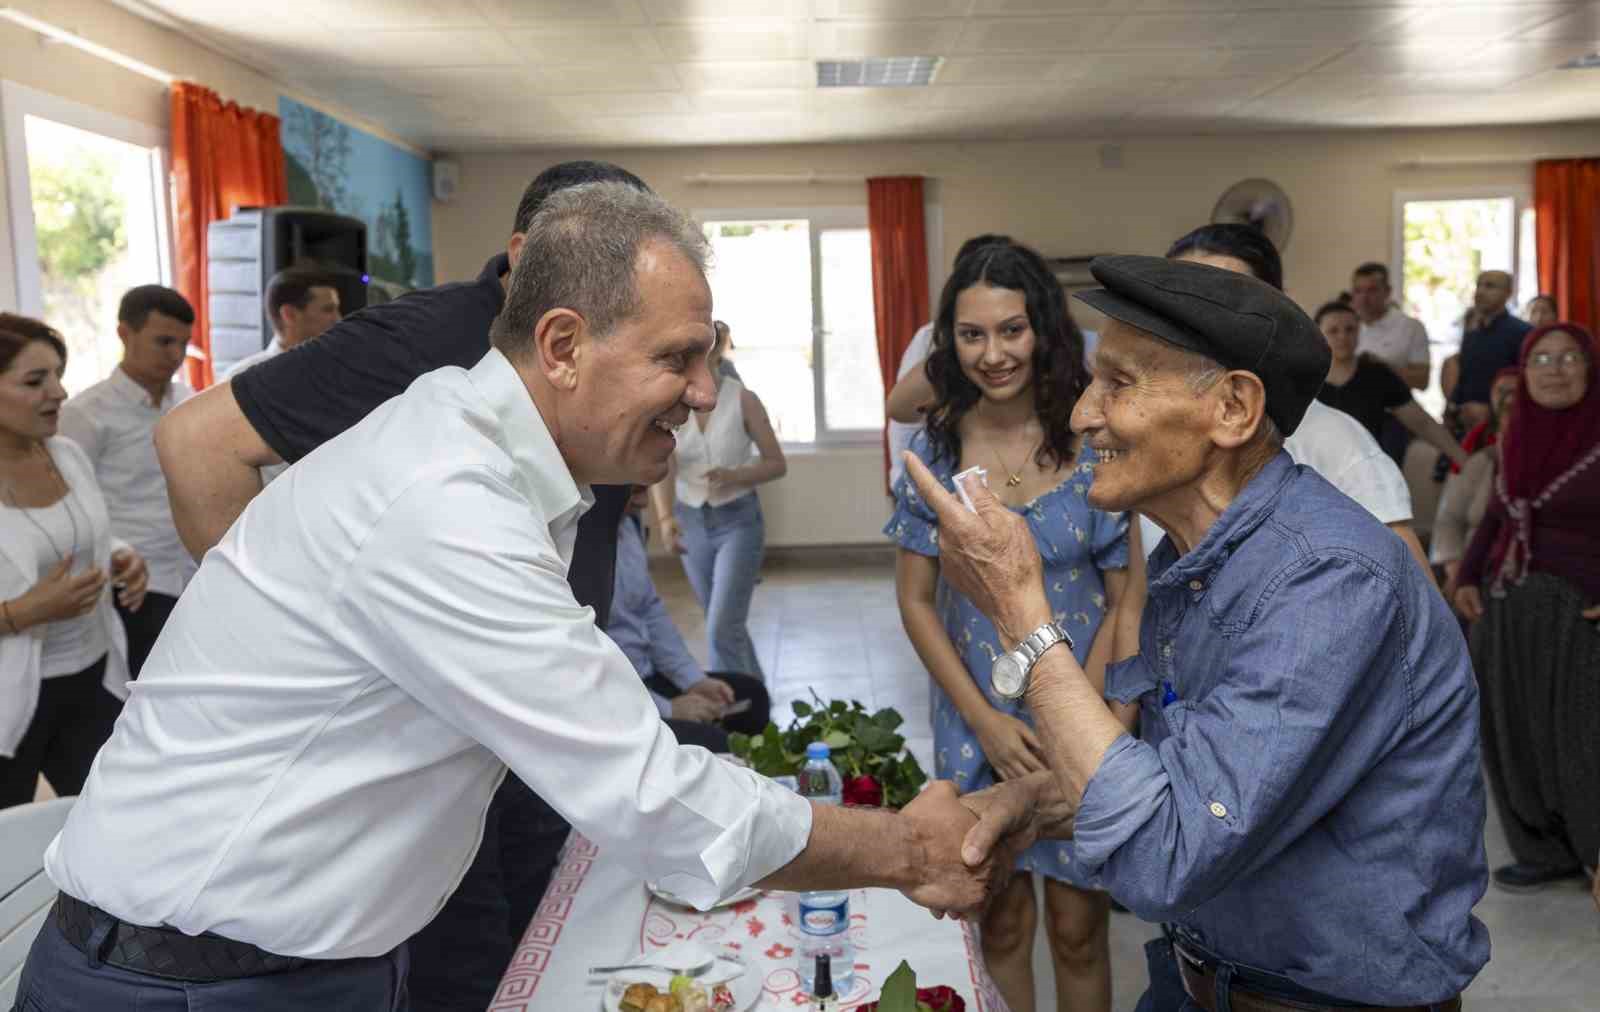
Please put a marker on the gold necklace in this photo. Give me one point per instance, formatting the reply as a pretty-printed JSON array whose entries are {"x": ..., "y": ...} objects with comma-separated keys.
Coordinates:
[{"x": 1013, "y": 478}]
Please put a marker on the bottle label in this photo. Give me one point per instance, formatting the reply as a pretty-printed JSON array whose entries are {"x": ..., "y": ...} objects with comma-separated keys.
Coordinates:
[{"x": 829, "y": 920}]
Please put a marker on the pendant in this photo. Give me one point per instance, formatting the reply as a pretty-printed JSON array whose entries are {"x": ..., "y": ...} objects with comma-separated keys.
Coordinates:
[{"x": 1014, "y": 481}]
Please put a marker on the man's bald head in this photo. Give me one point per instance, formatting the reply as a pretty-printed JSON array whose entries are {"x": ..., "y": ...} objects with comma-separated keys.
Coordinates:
[{"x": 1492, "y": 294}]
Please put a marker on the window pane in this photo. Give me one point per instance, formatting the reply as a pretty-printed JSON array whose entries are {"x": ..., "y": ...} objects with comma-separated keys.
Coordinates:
[
  {"x": 94, "y": 215},
  {"x": 1447, "y": 244},
  {"x": 1527, "y": 258},
  {"x": 761, "y": 287},
  {"x": 852, "y": 386}
]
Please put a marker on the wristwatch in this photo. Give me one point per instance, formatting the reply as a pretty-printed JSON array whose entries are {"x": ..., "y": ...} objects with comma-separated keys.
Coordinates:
[{"x": 1010, "y": 673}]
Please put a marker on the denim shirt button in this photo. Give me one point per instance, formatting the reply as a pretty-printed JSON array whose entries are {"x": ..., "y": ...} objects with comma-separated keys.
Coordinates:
[
  {"x": 1197, "y": 585},
  {"x": 1166, "y": 650},
  {"x": 1219, "y": 809}
]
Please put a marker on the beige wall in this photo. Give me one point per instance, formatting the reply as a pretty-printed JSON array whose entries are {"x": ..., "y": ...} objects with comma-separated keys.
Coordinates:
[
  {"x": 70, "y": 73},
  {"x": 1055, "y": 196}
]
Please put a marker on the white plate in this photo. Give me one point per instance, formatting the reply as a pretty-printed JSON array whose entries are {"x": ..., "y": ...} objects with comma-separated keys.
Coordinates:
[
  {"x": 659, "y": 893},
  {"x": 746, "y": 987}
]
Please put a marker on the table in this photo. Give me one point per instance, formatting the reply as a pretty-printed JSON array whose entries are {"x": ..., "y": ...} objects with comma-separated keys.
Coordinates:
[{"x": 596, "y": 911}]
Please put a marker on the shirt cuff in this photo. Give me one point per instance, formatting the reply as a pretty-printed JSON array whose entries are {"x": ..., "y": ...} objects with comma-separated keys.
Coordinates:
[
  {"x": 772, "y": 833},
  {"x": 1124, "y": 793}
]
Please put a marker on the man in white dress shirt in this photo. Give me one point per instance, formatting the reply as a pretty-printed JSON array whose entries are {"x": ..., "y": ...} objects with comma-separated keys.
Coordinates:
[
  {"x": 307, "y": 784},
  {"x": 1398, "y": 340},
  {"x": 115, "y": 423},
  {"x": 302, "y": 302}
]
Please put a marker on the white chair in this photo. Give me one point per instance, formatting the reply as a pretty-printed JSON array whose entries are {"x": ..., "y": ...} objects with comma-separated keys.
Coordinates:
[{"x": 25, "y": 893}]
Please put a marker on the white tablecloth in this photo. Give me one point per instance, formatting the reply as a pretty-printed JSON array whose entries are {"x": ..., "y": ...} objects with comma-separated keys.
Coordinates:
[{"x": 596, "y": 912}]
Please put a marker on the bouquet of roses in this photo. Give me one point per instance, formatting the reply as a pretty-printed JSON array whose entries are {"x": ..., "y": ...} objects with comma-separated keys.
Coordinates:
[{"x": 871, "y": 758}]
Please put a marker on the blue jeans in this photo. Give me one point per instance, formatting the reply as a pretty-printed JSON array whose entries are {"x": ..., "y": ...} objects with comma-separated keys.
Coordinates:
[
  {"x": 59, "y": 978},
  {"x": 722, "y": 558}
]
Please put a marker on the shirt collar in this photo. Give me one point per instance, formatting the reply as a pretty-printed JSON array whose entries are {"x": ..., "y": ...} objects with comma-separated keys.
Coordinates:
[
  {"x": 541, "y": 471},
  {"x": 1255, "y": 503},
  {"x": 128, "y": 387}
]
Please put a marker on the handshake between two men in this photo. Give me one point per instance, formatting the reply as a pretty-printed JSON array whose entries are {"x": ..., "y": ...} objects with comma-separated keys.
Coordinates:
[{"x": 964, "y": 846}]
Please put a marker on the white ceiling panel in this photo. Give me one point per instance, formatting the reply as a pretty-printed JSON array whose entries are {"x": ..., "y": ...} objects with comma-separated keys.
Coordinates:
[
  {"x": 528, "y": 13},
  {"x": 582, "y": 43},
  {"x": 1022, "y": 35},
  {"x": 483, "y": 74},
  {"x": 837, "y": 40},
  {"x": 770, "y": 75},
  {"x": 773, "y": 40}
]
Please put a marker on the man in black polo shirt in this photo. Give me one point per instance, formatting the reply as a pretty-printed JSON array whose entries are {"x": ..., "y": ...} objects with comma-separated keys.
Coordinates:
[
  {"x": 211, "y": 451},
  {"x": 1493, "y": 343}
]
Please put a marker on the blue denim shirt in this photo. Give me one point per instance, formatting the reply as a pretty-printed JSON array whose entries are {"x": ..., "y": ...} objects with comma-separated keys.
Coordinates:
[
  {"x": 1306, "y": 797},
  {"x": 639, "y": 622}
]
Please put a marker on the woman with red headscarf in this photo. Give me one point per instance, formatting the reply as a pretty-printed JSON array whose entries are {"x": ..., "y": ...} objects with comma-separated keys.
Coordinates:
[{"x": 1536, "y": 639}]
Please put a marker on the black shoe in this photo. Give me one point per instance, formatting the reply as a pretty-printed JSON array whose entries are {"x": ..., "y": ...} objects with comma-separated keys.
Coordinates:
[{"x": 1528, "y": 878}]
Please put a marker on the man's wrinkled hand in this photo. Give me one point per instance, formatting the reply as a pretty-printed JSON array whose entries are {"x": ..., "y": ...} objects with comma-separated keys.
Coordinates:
[
  {"x": 939, "y": 824},
  {"x": 987, "y": 553},
  {"x": 1015, "y": 814}
]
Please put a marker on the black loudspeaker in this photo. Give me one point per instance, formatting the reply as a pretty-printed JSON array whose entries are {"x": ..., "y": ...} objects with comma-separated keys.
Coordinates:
[{"x": 246, "y": 250}]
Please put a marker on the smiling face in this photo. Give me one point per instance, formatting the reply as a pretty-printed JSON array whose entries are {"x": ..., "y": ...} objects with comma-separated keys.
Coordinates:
[
  {"x": 636, "y": 384},
  {"x": 1341, "y": 330},
  {"x": 1148, "y": 426},
  {"x": 1557, "y": 371},
  {"x": 994, "y": 340},
  {"x": 31, "y": 393}
]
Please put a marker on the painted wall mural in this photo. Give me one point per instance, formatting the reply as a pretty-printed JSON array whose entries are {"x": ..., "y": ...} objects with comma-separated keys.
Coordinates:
[{"x": 335, "y": 166}]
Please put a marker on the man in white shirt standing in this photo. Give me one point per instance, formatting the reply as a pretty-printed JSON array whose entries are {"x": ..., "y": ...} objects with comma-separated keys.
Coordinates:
[
  {"x": 115, "y": 422},
  {"x": 302, "y": 302},
  {"x": 1400, "y": 341},
  {"x": 289, "y": 796}
]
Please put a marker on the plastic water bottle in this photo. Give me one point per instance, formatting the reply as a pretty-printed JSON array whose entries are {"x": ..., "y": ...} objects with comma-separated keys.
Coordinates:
[{"x": 824, "y": 917}]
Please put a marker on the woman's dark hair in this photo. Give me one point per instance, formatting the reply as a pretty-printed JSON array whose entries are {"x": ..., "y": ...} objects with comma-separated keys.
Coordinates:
[
  {"x": 1329, "y": 308},
  {"x": 1242, "y": 242},
  {"x": 1059, "y": 376},
  {"x": 18, "y": 331}
]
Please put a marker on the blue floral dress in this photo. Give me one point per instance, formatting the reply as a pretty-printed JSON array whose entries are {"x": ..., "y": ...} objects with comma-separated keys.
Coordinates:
[{"x": 1077, "y": 542}]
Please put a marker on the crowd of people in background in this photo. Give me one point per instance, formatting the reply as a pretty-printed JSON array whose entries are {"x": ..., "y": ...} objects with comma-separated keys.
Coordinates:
[{"x": 92, "y": 562}]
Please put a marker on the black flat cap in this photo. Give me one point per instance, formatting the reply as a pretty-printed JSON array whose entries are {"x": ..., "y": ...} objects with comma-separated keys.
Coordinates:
[{"x": 1231, "y": 317}]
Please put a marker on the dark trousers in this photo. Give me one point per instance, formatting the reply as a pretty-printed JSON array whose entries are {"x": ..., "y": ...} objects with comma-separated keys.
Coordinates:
[
  {"x": 458, "y": 958},
  {"x": 74, "y": 718},
  {"x": 714, "y": 737},
  {"x": 143, "y": 626},
  {"x": 59, "y": 978}
]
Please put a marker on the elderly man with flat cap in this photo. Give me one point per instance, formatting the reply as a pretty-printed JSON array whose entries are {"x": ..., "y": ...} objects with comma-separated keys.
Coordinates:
[{"x": 1303, "y": 809}]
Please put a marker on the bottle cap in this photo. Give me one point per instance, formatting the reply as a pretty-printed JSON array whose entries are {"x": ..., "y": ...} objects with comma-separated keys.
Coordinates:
[
  {"x": 818, "y": 750},
  {"x": 823, "y": 985}
]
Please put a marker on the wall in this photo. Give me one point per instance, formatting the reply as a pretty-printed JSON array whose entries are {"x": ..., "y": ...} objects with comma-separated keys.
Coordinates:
[{"x": 1055, "y": 196}]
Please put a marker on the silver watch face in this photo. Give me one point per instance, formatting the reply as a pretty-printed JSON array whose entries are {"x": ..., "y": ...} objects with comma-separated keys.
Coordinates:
[{"x": 1007, "y": 676}]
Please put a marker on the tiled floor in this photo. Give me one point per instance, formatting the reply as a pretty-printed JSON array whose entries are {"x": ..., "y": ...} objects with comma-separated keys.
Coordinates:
[{"x": 837, "y": 630}]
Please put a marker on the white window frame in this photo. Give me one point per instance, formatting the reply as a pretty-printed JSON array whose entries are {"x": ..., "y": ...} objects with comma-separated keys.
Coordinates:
[
  {"x": 818, "y": 220},
  {"x": 20, "y": 281},
  {"x": 1521, "y": 195}
]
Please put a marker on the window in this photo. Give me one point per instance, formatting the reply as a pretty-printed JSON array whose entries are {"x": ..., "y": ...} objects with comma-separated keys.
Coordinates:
[
  {"x": 797, "y": 293},
  {"x": 88, "y": 208},
  {"x": 1446, "y": 241}
]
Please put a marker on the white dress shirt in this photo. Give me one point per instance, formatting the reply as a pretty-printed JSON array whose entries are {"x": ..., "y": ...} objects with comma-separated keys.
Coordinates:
[
  {"x": 115, "y": 423},
  {"x": 900, "y": 433},
  {"x": 1340, "y": 449},
  {"x": 1396, "y": 338},
  {"x": 307, "y": 756}
]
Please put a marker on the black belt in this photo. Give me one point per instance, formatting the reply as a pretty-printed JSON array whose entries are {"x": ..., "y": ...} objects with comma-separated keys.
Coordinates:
[
  {"x": 1200, "y": 974},
  {"x": 164, "y": 952}
]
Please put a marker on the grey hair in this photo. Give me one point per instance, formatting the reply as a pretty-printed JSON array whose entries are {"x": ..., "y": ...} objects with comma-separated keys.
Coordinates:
[
  {"x": 581, "y": 252},
  {"x": 1201, "y": 373}
]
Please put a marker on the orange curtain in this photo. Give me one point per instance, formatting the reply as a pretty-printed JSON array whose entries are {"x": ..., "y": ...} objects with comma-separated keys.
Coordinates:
[
  {"x": 1566, "y": 201},
  {"x": 899, "y": 272},
  {"x": 223, "y": 157}
]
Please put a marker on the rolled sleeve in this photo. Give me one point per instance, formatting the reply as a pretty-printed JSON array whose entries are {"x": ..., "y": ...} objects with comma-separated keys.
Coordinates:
[
  {"x": 1124, "y": 794},
  {"x": 464, "y": 604}
]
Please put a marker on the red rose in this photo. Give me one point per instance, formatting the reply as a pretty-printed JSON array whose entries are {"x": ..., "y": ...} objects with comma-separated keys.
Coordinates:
[
  {"x": 863, "y": 791},
  {"x": 942, "y": 999}
]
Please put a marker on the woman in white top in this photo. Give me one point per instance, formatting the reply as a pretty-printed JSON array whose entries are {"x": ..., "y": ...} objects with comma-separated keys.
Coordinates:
[
  {"x": 63, "y": 652},
  {"x": 715, "y": 522}
]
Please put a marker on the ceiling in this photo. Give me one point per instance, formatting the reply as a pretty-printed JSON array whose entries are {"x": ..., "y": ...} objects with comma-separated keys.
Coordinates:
[{"x": 492, "y": 74}]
